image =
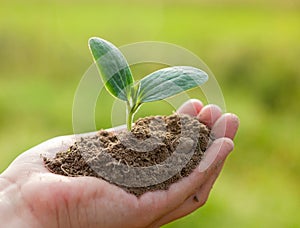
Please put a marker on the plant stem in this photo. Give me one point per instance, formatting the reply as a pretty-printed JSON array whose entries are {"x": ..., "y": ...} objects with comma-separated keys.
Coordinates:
[
  {"x": 129, "y": 114},
  {"x": 129, "y": 120}
]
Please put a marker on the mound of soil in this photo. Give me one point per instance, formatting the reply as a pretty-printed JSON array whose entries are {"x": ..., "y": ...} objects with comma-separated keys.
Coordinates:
[{"x": 157, "y": 152}]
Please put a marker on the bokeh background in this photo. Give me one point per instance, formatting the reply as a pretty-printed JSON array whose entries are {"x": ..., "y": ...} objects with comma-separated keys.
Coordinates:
[{"x": 252, "y": 47}]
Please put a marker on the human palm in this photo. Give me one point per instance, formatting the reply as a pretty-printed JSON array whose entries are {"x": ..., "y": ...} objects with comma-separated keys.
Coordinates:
[{"x": 31, "y": 196}]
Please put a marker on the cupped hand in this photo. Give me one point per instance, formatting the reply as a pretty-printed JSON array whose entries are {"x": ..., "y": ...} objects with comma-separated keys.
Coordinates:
[{"x": 31, "y": 196}]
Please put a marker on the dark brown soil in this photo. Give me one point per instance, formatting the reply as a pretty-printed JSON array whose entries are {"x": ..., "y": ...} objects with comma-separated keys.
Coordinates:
[{"x": 157, "y": 152}]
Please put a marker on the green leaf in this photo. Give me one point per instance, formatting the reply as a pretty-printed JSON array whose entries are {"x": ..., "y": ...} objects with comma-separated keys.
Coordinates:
[
  {"x": 170, "y": 81},
  {"x": 113, "y": 68}
]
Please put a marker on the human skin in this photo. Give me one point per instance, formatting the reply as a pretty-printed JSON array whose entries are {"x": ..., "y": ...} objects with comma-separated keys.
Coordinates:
[{"x": 31, "y": 196}]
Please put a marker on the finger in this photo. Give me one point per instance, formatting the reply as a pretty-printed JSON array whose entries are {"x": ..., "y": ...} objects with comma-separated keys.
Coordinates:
[
  {"x": 180, "y": 191},
  {"x": 187, "y": 188},
  {"x": 225, "y": 126},
  {"x": 209, "y": 114},
  {"x": 215, "y": 154},
  {"x": 194, "y": 202},
  {"x": 192, "y": 107},
  {"x": 205, "y": 189}
]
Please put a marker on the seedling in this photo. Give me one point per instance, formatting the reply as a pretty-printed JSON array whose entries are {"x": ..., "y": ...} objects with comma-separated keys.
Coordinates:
[{"x": 118, "y": 80}]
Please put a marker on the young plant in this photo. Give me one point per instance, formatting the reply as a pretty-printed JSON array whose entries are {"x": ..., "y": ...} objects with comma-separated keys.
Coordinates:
[{"x": 119, "y": 82}]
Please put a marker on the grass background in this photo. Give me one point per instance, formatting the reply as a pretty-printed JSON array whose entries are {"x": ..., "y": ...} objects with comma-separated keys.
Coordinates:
[{"x": 252, "y": 48}]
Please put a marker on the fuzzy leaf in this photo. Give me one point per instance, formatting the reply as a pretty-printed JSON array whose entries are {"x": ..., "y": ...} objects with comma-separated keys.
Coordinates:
[
  {"x": 113, "y": 67},
  {"x": 170, "y": 81}
]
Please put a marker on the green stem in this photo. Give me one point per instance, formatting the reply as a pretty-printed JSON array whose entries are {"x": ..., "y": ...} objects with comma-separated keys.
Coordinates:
[
  {"x": 129, "y": 114},
  {"x": 129, "y": 119}
]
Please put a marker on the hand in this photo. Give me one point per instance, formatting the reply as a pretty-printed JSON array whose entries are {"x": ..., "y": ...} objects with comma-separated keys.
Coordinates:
[{"x": 31, "y": 196}]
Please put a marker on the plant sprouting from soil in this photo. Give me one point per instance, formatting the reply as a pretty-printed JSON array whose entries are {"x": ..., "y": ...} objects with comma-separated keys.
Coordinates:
[{"x": 118, "y": 80}]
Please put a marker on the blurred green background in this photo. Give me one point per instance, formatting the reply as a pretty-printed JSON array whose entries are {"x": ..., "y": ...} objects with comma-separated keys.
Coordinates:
[{"x": 253, "y": 49}]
